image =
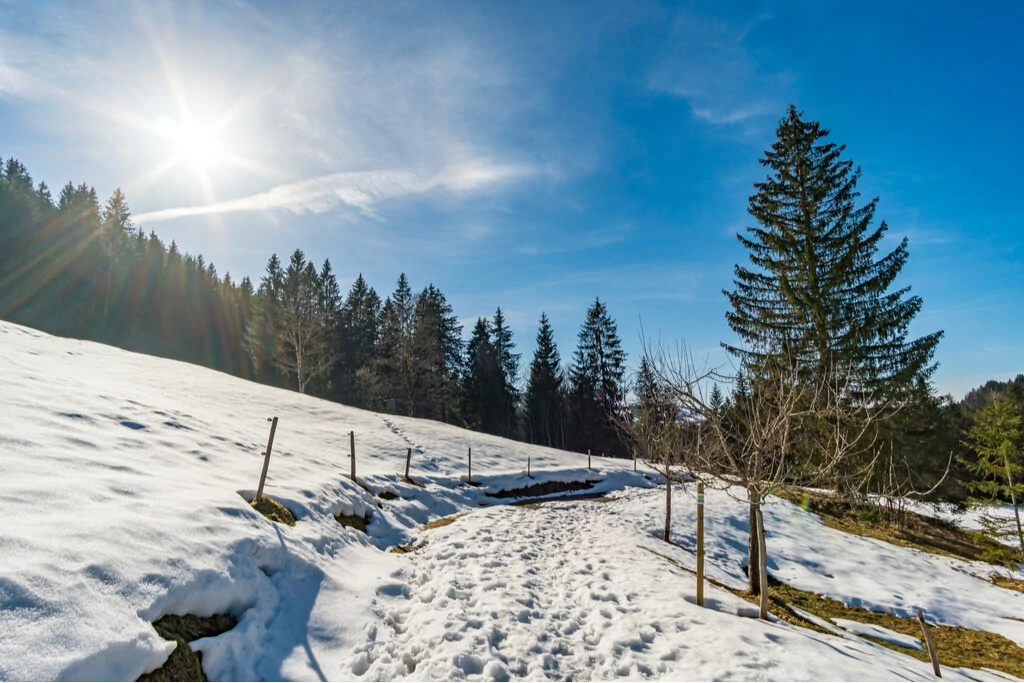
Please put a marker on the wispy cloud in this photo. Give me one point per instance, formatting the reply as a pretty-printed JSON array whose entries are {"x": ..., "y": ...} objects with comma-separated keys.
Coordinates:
[
  {"x": 333, "y": 88},
  {"x": 362, "y": 191},
  {"x": 708, "y": 63},
  {"x": 591, "y": 239}
]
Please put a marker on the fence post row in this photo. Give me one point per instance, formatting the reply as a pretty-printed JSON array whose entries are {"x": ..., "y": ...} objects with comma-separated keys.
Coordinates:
[{"x": 266, "y": 459}]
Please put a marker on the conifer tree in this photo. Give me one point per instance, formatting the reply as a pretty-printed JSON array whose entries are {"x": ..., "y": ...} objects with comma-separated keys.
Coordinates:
[
  {"x": 545, "y": 391},
  {"x": 509, "y": 363},
  {"x": 996, "y": 439},
  {"x": 817, "y": 292},
  {"x": 483, "y": 382},
  {"x": 716, "y": 401},
  {"x": 116, "y": 229},
  {"x": 359, "y": 320},
  {"x": 596, "y": 378},
  {"x": 390, "y": 375},
  {"x": 436, "y": 355}
]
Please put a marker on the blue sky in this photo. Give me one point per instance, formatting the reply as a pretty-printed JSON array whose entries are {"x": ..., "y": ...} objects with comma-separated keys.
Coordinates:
[{"x": 536, "y": 155}]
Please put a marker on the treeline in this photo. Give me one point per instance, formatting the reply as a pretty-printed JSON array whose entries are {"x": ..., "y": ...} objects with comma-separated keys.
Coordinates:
[{"x": 76, "y": 268}]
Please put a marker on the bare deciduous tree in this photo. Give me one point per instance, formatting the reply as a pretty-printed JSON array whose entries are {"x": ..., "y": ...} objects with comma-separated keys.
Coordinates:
[{"x": 781, "y": 427}]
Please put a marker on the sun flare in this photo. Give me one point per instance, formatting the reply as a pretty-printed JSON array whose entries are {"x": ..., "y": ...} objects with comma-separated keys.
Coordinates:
[{"x": 197, "y": 144}]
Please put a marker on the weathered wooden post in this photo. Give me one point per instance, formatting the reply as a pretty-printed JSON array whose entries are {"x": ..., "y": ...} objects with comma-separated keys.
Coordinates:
[
  {"x": 634, "y": 461},
  {"x": 528, "y": 475},
  {"x": 469, "y": 472},
  {"x": 352, "y": 451},
  {"x": 700, "y": 543},
  {"x": 408, "y": 459},
  {"x": 930, "y": 643},
  {"x": 266, "y": 460},
  {"x": 588, "y": 458}
]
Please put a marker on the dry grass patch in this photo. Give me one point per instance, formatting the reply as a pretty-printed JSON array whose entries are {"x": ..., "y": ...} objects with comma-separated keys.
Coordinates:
[
  {"x": 956, "y": 646},
  {"x": 1007, "y": 582},
  {"x": 274, "y": 511},
  {"x": 918, "y": 531},
  {"x": 357, "y": 522},
  {"x": 401, "y": 549},
  {"x": 183, "y": 664},
  {"x": 546, "y": 488},
  {"x": 441, "y": 521}
]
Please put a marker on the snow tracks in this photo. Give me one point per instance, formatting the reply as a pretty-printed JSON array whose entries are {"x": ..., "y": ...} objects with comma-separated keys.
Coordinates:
[
  {"x": 566, "y": 592},
  {"x": 513, "y": 592}
]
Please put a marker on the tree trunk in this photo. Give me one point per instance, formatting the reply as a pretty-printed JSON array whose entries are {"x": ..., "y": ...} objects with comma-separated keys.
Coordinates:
[
  {"x": 1013, "y": 499},
  {"x": 753, "y": 556},
  {"x": 762, "y": 569},
  {"x": 668, "y": 501}
]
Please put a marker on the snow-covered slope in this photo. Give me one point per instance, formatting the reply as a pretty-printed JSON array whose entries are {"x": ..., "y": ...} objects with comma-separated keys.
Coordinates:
[{"x": 120, "y": 481}]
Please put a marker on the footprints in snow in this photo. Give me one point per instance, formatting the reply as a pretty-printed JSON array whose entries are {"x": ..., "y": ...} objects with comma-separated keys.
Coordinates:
[{"x": 503, "y": 602}]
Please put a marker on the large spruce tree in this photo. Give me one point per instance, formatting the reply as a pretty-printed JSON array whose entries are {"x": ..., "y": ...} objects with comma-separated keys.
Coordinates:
[
  {"x": 817, "y": 291},
  {"x": 504, "y": 347},
  {"x": 483, "y": 393},
  {"x": 436, "y": 356},
  {"x": 358, "y": 320},
  {"x": 596, "y": 378},
  {"x": 544, "y": 391}
]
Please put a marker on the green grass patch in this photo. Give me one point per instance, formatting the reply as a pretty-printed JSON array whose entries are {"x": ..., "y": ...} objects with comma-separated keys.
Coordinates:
[
  {"x": 183, "y": 664},
  {"x": 274, "y": 511},
  {"x": 440, "y": 522},
  {"x": 917, "y": 531}
]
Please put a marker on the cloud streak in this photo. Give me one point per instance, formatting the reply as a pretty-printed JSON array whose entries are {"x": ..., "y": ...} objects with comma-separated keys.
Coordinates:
[
  {"x": 708, "y": 63},
  {"x": 361, "y": 191}
]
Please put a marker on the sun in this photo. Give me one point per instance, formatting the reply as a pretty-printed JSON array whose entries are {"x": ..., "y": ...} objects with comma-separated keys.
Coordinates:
[
  {"x": 195, "y": 143},
  {"x": 198, "y": 145}
]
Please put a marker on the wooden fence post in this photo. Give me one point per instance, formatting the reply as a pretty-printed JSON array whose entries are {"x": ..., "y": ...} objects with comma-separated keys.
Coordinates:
[
  {"x": 408, "y": 459},
  {"x": 700, "y": 543},
  {"x": 634, "y": 461},
  {"x": 469, "y": 472},
  {"x": 352, "y": 450},
  {"x": 930, "y": 643},
  {"x": 528, "y": 475},
  {"x": 588, "y": 458},
  {"x": 266, "y": 460}
]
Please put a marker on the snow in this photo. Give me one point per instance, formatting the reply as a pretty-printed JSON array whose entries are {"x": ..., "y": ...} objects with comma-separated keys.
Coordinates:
[
  {"x": 856, "y": 570},
  {"x": 123, "y": 481},
  {"x": 879, "y": 633},
  {"x": 568, "y": 592}
]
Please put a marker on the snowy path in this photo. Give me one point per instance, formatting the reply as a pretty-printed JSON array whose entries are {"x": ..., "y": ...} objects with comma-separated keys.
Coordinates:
[{"x": 567, "y": 592}]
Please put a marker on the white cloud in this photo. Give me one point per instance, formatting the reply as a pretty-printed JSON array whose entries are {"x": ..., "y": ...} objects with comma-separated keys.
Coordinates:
[
  {"x": 362, "y": 191},
  {"x": 349, "y": 87},
  {"x": 708, "y": 64}
]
